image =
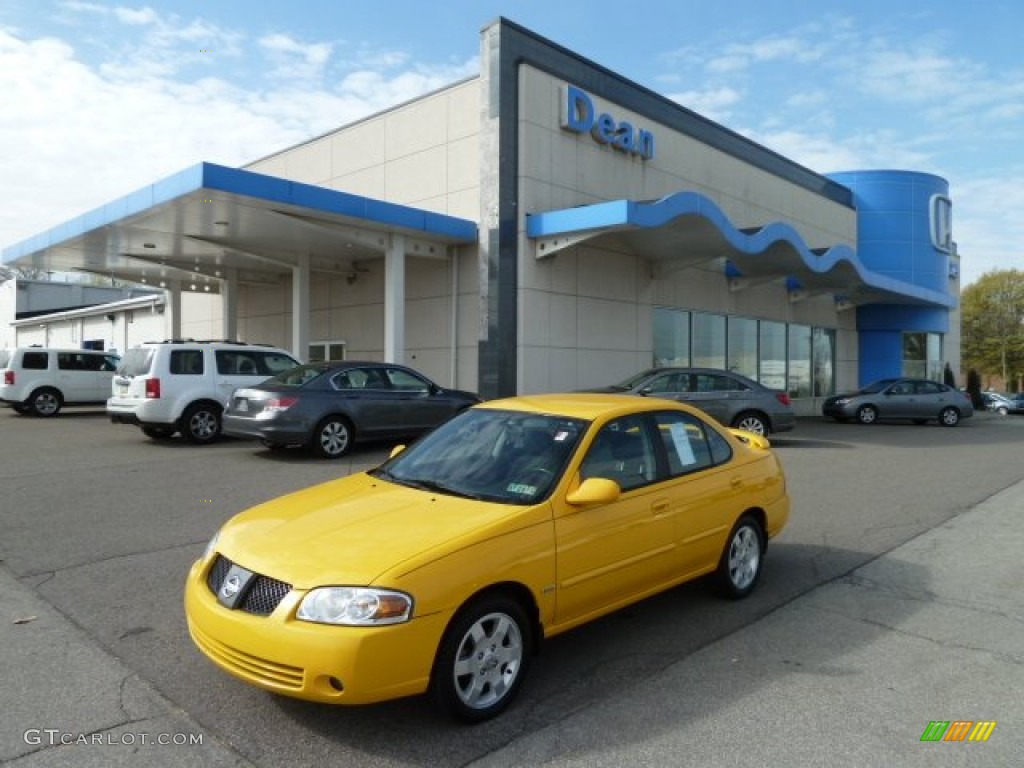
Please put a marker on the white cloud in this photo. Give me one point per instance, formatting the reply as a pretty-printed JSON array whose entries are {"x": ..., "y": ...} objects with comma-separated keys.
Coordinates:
[
  {"x": 87, "y": 132},
  {"x": 712, "y": 103}
]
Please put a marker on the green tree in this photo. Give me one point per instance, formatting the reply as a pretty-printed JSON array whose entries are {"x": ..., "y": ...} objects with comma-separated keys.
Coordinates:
[{"x": 992, "y": 316}]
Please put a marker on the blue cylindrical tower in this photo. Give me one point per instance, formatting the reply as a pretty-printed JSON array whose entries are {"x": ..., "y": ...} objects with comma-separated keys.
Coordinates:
[{"x": 903, "y": 232}]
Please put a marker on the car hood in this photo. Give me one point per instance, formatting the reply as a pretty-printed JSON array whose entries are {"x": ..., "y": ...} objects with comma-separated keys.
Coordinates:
[{"x": 352, "y": 530}]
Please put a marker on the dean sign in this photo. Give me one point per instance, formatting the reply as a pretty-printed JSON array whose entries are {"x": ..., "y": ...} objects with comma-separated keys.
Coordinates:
[{"x": 580, "y": 116}]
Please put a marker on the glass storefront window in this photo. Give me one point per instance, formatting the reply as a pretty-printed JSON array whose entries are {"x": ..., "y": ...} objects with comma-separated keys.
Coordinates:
[
  {"x": 772, "y": 365},
  {"x": 799, "y": 376},
  {"x": 823, "y": 357},
  {"x": 708, "y": 341},
  {"x": 671, "y": 337},
  {"x": 743, "y": 346}
]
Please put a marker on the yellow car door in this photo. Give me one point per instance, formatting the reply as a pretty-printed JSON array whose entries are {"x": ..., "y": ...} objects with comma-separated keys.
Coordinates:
[{"x": 609, "y": 554}]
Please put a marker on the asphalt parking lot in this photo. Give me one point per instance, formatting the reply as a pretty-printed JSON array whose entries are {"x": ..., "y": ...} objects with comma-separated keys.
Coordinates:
[{"x": 100, "y": 525}]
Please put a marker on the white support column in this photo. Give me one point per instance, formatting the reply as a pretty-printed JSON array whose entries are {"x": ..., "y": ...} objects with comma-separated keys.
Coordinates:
[
  {"x": 300, "y": 308},
  {"x": 394, "y": 300},
  {"x": 229, "y": 304},
  {"x": 173, "y": 308}
]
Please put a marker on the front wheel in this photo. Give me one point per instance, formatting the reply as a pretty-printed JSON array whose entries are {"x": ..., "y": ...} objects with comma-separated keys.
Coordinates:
[
  {"x": 949, "y": 417},
  {"x": 1002, "y": 410},
  {"x": 740, "y": 565},
  {"x": 751, "y": 422},
  {"x": 867, "y": 414},
  {"x": 45, "y": 402},
  {"x": 483, "y": 659},
  {"x": 200, "y": 423}
]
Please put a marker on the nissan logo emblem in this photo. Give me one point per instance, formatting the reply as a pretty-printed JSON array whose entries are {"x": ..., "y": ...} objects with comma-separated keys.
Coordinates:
[{"x": 231, "y": 586}]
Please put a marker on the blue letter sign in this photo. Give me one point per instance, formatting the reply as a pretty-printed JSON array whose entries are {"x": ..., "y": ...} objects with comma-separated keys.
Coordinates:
[{"x": 578, "y": 116}]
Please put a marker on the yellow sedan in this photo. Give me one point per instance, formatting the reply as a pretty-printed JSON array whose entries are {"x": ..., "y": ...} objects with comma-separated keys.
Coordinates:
[{"x": 442, "y": 569}]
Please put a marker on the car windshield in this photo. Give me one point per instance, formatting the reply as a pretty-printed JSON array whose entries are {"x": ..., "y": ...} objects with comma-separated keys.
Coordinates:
[
  {"x": 298, "y": 376},
  {"x": 633, "y": 381},
  {"x": 876, "y": 386},
  {"x": 504, "y": 456}
]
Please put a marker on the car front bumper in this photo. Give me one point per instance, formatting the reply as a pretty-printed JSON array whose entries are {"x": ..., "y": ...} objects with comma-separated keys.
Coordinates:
[{"x": 316, "y": 662}]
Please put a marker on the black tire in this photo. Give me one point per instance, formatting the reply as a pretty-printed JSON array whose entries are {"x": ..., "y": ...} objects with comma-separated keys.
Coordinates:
[
  {"x": 740, "y": 565},
  {"x": 752, "y": 421},
  {"x": 45, "y": 402},
  {"x": 200, "y": 424},
  {"x": 483, "y": 659},
  {"x": 949, "y": 417},
  {"x": 867, "y": 414},
  {"x": 1002, "y": 410},
  {"x": 332, "y": 438},
  {"x": 159, "y": 433},
  {"x": 20, "y": 408}
]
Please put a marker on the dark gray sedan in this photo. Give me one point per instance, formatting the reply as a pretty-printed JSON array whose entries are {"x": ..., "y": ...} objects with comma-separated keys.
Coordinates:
[
  {"x": 728, "y": 397},
  {"x": 919, "y": 400},
  {"x": 329, "y": 406}
]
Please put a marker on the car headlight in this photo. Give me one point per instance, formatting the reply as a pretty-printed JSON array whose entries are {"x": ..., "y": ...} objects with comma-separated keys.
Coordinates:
[
  {"x": 211, "y": 547},
  {"x": 355, "y": 606}
]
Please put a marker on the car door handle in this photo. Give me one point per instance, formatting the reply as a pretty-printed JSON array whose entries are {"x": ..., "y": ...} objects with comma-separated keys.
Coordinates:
[
  {"x": 736, "y": 482},
  {"x": 659, "y": 507}
]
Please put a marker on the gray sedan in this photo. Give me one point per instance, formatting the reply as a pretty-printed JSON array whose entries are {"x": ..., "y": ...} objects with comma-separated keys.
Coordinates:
[
  {"x": 919, "y": 400},
  {"x": 329, "y": 406},
  {"x": 728, "y": 397}
]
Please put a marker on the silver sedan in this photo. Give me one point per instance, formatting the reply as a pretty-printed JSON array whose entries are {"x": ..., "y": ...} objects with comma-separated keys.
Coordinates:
[{"x": 919, "y": 400}]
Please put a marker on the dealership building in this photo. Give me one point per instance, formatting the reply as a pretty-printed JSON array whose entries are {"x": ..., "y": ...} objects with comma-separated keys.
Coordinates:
[{"x": 543, "y": 225}]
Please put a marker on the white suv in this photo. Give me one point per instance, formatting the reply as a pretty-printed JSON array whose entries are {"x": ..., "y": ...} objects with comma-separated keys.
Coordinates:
[
  {"x": 40, "y": 380},
  {"x": 171, "y": 386}
]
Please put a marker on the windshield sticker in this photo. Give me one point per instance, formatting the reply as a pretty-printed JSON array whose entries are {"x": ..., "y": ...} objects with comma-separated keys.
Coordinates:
[
  {"x": 521, "y": 488},
  {"x": 681, "y": 440},
  {"x": 561, "y": 435}
]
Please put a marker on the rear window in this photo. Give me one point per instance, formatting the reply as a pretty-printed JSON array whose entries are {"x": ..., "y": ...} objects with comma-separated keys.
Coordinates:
[
  {"x": 187, "y": 362},
  {"x": 136, "y": 362},
  {"x": 252, "y": 362}
]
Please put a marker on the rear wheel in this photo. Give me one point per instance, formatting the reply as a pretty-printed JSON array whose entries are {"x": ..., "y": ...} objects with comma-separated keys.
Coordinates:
[
  {"x": 751, "y": 422},
  {"x": 482, "y": 659},
  {"x": 332, "y": 437},
  {"x": 740, "y": 566},
  {"x": 200, "y": 423},
  {"x": 158, "y": 433},
  {"x": 867, "y": 414},
  {"x": 45, "y": 402},
  {"x": 949, "y": 417}
]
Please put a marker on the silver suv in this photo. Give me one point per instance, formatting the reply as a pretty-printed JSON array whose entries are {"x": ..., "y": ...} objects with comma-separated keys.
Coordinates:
[
  {"x": 183, "y": 386},
  {"x": 40, "y": 380}
]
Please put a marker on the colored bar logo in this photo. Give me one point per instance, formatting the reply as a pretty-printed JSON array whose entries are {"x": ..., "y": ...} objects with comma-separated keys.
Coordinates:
[{"x": 958, "y": 730}]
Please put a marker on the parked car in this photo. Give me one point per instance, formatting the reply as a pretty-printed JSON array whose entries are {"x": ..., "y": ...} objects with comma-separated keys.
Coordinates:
[
  {"x": 734, "y": 400},
  {"x": 997, "y": 403},
  {"x": 171, "y": 386},
  {"x": 329, "y": 406},
  {"x": 42, "y": 380},
  {"x": 444, "y": 568},
  {"x": 1015, "y": 404},
  {"x": 919, "y": 400}
]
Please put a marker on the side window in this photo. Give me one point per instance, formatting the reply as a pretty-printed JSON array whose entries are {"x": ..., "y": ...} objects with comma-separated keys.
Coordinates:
[
  {"x": 376, "y": 379},
  {"x": 34, "y": 361},
  {"x": 110, "y": 363},
  {"x": 93, "y": 362},
  {"x": 667, "y": 382},
  {"x": 623, "y": 452},
  {"x": 186, "y": 362},
  {"x": 68, "y": 361},
  {"x": 902, "y": 388},
  {"x": 273, "y": 363},
  {"x": 690, "y": 444},
  {"x": 928, "y": 388},
  {"x": 406, "y": 381}
]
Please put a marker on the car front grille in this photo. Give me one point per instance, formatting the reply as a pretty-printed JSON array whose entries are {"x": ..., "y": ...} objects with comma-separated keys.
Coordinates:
[{"x": 263, "y": 595}]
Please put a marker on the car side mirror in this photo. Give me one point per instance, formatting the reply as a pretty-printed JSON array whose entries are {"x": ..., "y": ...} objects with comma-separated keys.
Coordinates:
[
  {"x": 395, "y": 451},
  {"x": 595, "y": 490},
  {"x": 645, "y": 391}
]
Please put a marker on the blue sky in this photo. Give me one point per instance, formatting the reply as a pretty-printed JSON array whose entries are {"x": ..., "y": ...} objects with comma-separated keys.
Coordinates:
[{"x": 100, "y": 98}]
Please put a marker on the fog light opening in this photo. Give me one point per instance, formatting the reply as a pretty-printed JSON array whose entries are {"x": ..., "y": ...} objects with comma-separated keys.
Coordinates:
[{"x": 336, "y": 684}]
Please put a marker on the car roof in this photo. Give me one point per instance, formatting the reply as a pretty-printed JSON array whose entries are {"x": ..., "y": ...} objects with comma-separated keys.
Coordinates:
[{"x": 582, "y": 405}]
